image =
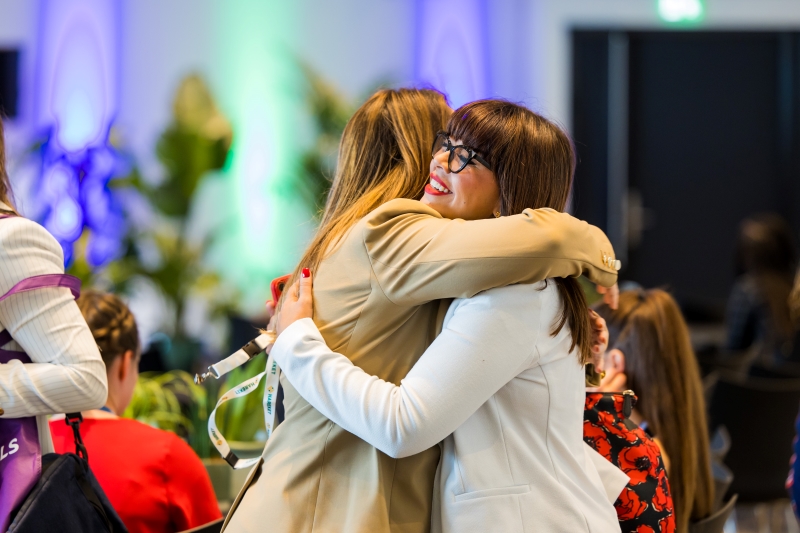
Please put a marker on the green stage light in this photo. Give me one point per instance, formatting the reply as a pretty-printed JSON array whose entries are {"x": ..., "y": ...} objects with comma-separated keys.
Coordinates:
[
  {"x": 266, "y": 225},
  {"x": 681, "y": 10}
]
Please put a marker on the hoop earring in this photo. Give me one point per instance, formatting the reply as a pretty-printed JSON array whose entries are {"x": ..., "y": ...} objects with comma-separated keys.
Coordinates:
[{"x": 496, "y": 214}]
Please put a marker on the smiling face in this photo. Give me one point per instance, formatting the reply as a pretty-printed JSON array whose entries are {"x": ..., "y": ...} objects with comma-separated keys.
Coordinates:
[{"x": 471, "y": 194}]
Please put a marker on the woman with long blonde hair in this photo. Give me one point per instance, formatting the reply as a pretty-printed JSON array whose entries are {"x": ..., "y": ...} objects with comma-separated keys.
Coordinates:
[
  {"x": 651, "y": 353},
  {"x": 383, "y": 261}
]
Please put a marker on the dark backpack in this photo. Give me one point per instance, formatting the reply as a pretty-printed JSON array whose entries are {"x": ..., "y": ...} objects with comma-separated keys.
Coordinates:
[{"x": 67, "y": 498}]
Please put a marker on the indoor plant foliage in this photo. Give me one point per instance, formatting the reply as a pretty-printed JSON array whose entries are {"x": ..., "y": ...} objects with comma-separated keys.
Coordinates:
[
  {"x": 330, "y": 112},
  {"x": 196, "y": 142},
  {"x": 170, "y": 401}
]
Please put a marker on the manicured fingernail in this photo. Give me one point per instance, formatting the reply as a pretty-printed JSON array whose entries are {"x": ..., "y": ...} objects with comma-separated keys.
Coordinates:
[{"x": 306, "y": 273}]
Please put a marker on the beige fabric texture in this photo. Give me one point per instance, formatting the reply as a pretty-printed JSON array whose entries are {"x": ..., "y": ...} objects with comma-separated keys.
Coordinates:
[{"x": 378, "y": 300}]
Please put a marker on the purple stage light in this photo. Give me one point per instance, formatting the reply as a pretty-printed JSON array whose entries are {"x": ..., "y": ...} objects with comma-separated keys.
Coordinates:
[
  {"x": 77, "y": 100},
  {"x": 452, "y": 48}
]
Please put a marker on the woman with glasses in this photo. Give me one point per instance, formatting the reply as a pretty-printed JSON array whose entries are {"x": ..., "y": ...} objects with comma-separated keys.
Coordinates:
[
  {"x": 381, "y": 273},
  {"x": 503, "y": 384}
]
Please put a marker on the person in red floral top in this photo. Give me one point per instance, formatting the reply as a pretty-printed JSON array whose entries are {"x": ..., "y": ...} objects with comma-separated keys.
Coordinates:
[
  {"x": 645, "y": 504},
  {"x": 652, "y": 355}
]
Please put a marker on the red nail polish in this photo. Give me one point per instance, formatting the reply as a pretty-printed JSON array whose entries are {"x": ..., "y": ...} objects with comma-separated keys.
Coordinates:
[{"x": 306, "y": 273}]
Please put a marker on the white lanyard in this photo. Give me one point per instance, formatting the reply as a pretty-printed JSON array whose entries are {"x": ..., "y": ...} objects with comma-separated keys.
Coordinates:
[
  {"x": 238, "y": 358},
  {"x": 273, "y": 374}
]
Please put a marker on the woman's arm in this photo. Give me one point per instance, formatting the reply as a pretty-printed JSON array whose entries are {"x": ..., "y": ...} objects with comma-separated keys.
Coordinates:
[
  {"x": 484, "y": 345},
  {"x": 418, "y": 256},
  {"x": 67, "y": 373}
]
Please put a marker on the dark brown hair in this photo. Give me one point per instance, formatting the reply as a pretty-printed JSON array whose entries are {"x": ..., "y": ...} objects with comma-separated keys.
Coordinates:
[
  {"x": 5, "y": 185},
  {"x": 534, "y": 163},
  {"x": 112, "y": 324},
  {"x": 384, "y": 154},
  {"x": 767, "y": 251},
  {"x": 661, "y": 368}
]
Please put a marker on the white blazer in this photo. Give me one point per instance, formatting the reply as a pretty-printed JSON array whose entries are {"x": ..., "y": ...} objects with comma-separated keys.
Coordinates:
[
  {"x": 66, "y": 374},
  {"x": 506, "y": 397}
]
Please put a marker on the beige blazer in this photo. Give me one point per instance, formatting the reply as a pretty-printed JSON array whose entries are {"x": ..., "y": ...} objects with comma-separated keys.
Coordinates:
[{"x": 377, "y": 301}]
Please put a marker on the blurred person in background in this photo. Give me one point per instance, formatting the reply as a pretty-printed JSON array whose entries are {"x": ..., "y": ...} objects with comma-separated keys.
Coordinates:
[
  {"x": 792, "y": 485},
  {"x": 652, "y": 355},
  {"x": 154, "y": 480},
  {"x": 758, "y": 308},
  {"x": 50, "y": 363}
]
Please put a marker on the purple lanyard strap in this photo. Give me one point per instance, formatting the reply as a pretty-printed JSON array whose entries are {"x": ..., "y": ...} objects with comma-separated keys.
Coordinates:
[{"x": 30, "y": 284}]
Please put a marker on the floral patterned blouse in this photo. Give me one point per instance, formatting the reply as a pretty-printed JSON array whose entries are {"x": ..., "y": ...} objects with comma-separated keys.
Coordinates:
[{"x": 645, "y": 504}]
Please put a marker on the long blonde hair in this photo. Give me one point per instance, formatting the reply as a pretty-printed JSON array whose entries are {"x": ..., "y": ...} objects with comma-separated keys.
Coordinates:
[
  {"x": 5, "y": 185},
  {"x": 385, "y": 153},
  {"x": 662, "y": 370}
]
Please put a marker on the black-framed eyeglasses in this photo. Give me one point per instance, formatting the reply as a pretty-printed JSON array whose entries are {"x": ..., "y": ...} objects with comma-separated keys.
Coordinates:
[{"x": 459, "y": 154}]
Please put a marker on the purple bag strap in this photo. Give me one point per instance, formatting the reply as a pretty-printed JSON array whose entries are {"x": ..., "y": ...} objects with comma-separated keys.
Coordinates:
[
  {"x": 46, "y": 280},
  {"x": 42, "y": 281},
  {"x": 29, "y": 284}
]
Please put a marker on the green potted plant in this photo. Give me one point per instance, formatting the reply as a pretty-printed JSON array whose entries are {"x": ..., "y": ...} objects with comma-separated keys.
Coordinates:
[{"x": 197, "y": 142}]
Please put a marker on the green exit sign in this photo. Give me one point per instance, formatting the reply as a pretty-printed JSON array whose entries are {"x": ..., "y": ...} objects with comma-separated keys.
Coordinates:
[{"x": 681, "y": 10}]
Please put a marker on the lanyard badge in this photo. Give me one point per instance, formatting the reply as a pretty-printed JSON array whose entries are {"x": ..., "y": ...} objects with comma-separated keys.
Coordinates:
[{"x": 272, "y": 375}]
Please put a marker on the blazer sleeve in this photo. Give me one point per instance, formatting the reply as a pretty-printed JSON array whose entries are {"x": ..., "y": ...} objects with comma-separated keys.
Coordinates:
[
  {"x": 418, "y": 256},
  {"x": 476, "y": 354},
  {"x": 67, "y": 373}
]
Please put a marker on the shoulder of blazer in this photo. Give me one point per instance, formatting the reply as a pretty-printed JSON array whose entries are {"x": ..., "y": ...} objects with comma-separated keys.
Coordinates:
[
  {"x": 18, "y": 227},
  {"x": 394, "y": 219},
  {"x": 399, "y": 207},
  {"x": 24, "y": 240}
]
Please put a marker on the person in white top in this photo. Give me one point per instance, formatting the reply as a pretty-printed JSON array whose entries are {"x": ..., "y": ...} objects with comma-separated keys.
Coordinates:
[
  {"x": 66, "y": 374},
  {"x": 502, "y": 385}
]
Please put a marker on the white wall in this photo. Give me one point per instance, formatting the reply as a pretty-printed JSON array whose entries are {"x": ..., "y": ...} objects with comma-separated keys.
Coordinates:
[
  {"x": 358, "y": 43},
  {"x": 163, "y": 41}
]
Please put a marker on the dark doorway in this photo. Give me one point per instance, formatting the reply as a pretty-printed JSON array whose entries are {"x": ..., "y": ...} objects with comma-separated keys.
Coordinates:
[
  {"x": 9, "y": 82},
  {"x": 681, "y": 135}
]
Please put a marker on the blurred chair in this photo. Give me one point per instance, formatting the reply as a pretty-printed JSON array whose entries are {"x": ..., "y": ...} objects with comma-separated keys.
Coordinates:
[
  {"x": 716, "y": 522},
  {"x": 723, "y": 477},
  {"x": 713, "y": 360},
  {"x": 786, "y": 370},
  {"x": 720, "y": 441},
  {"x": 759, "y": 414},
  {"x": 211, "y": 527}
]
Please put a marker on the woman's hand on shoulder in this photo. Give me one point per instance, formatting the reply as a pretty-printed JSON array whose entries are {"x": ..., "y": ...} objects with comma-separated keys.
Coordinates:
[
  {"x": 610, "y": 295},
  {"x": 599, "y": 340},
  {"x": 297, "y": 304},
  {"x": 610, "y": 364}
]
